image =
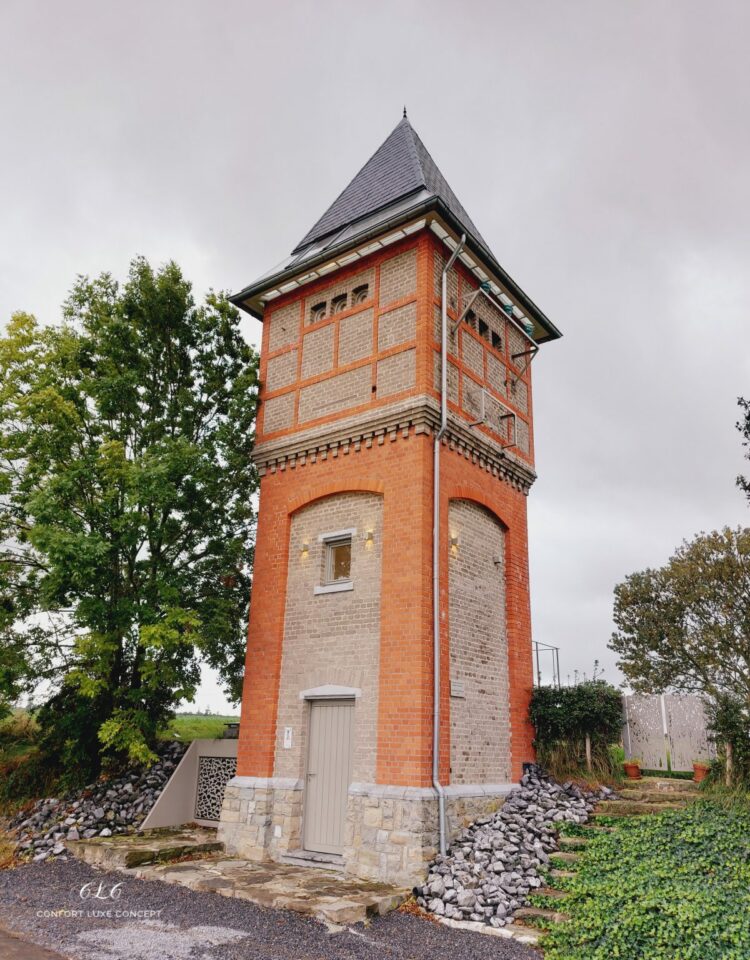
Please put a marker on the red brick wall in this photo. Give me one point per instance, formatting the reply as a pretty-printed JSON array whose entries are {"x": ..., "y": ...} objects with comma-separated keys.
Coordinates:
[{"x": 400, "y": 469}]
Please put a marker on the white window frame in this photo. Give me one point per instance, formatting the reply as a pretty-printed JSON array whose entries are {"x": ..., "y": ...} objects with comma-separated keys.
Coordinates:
[{"x": 328, "y": 540}]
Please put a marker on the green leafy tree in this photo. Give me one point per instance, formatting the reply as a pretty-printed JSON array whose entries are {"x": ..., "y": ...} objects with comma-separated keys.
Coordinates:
[
  {"x": 126, "y": 508},
  {"x": 686, "y": 626}
]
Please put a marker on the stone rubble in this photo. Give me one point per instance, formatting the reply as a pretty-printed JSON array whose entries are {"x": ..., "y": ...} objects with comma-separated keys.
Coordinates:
[
  {"x": 102, "y": 809},
  {"x": 494, "y": 865}
]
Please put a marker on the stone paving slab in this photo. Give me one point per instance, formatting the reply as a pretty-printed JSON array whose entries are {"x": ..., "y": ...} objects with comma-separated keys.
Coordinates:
[
  {"x": 116, "y": 853},
  {"x": 513, "y": 931},
  {"x": 323, "y": 894}
]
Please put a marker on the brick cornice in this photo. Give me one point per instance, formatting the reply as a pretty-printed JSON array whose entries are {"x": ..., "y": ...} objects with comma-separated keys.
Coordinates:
[{"x": 413, "y": 416}]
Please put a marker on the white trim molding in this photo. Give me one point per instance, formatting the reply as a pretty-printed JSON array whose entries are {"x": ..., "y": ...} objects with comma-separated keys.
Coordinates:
[
  {"x": 338, "y": 586},
  {"x": 338, "y": 535},
  {"x": 330, "y": 691}
]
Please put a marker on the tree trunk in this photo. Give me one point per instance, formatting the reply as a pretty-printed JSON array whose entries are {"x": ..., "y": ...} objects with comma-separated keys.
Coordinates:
[
  {"x": 728, "y": 771},
  {"x": 588, "y": 753}
]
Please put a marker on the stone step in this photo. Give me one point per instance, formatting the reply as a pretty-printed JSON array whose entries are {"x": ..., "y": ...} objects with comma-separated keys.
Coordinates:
[
  {"x": 564, "y": 856},
  {"x": 666, "y": 784},
  {"x": 155, "y": 846},
  {"x": 523, "y": 932},
  {"x": 308, "y": 890},
  {"x": 659, "y": 796},
  {"x": 552, "y": 892},
  {"x": 324, "y": 861},
  {"x": 630, "y": 808},
  {"x": 562, "y": 873},
  {"x": 535, "y": 913},
  {"x": 567, "y": 843}
]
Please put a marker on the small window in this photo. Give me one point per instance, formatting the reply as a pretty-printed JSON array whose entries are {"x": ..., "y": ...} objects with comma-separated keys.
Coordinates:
[
  {"x": 484, "y": 330},
  {"x": 497, "y": 341},
  {"x": 338, "y": 560},
  {"x": 338, "y": 303},
  {"x": 471, "y": 319},
  {"x": 360, "y": 294},
  {"x": 318, "y": 312}
]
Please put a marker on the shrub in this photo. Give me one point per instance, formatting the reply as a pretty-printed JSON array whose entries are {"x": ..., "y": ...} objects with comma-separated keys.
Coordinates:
[
  {"x": 729, "y": 723},
  {"x": 593, "y": 707},
  {"x": 564, "y": 716}
]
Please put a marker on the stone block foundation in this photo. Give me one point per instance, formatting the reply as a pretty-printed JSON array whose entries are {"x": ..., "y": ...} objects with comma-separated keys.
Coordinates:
[{"x": 391, "y": 832}]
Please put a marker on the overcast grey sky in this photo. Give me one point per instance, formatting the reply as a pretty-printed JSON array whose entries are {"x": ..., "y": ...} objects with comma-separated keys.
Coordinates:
[{"x": 602, "y": 148}]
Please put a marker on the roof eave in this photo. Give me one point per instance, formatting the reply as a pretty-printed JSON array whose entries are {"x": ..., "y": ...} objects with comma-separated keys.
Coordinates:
[
  {"x": 249, "y": 298},
  {"x": 524, "y": 300},
  {"x": 254, "y": 291}
]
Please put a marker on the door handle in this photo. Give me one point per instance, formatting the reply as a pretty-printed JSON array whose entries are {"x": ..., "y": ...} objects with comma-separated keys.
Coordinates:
[{"x": 311, "y": 775}]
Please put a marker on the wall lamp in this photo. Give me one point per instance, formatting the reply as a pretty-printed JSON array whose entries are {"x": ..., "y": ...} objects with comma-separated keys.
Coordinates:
[
  {"x": 305, "y": 548},
  {"x": 454, "y": 543}
]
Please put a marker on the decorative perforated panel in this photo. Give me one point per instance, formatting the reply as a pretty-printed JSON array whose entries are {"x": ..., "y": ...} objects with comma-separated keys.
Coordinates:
[{"x": 214, "y": 773}]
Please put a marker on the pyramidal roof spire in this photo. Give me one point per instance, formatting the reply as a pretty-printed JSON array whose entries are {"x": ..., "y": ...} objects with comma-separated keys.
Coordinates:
[
  {"x": 401, "y": 166},
  {"x": 399, "y": 184}
]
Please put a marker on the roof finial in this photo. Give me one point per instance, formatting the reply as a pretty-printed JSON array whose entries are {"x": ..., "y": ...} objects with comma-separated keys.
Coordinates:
[{"x": 404, "y": 111}]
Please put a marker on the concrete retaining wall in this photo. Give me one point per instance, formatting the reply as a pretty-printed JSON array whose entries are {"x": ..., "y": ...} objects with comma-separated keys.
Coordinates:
[{"x": 181, "y": 801}]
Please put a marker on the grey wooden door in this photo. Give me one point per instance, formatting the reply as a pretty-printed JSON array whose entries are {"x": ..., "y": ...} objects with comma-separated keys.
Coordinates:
[{"x": 329, "y": 766}]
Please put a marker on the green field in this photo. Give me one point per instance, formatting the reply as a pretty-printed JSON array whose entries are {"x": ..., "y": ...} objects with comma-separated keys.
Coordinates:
[{"x": 196, "y": 726}]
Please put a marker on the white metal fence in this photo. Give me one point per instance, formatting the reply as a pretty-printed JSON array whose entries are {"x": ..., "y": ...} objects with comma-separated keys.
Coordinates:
[{"x": 666, "y": 732}]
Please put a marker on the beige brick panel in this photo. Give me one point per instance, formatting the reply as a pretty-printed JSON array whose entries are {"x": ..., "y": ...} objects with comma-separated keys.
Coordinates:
[
  {"x": 335, "y": 393},
  {"x": 496, "y": 374},
  {"x": 355, "y": 337},
  {"x": 332, "y": 638},
  {"x": 317, "y": 352},
  {"x": 480, "y": 732},
  {"x": 438, "y": 264},
  {"x": 472, "y": 397},
  {"x": 494, "y": 410},
  {"x": 284, "y": 326},
  {"x": 437, "y": 331},
  {"x": 472, "y": 353},
  {"x": 452, "y": 378},
  {"x": 516, "y": 342},
  {"x": 397, "y": 373},
  {"x": 522, "y": 435},
  {"x": 278, "y": 412},
  {"x": 492, "y": 315},
  {"x": 281, "y": 371},
  {"x": 397, "y": 326},
  {"x": 519, "y": 394},
  {"x": 339, "y": 288},
  {"x": 398, "y": 277}
]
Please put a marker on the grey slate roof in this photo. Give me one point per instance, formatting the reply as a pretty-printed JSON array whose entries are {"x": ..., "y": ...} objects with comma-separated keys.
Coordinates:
[{"x": 401, "y": 166}]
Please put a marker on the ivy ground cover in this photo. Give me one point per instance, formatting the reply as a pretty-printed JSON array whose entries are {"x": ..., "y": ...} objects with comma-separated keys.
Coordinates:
[{"x": 675, "y": 886}]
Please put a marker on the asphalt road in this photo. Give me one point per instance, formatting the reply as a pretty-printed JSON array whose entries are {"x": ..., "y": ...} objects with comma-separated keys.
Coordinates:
[{"x": 150, "y": 920}]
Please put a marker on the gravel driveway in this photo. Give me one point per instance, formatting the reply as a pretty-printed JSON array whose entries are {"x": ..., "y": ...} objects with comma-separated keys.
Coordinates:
[{"x": 150, "y": 920}]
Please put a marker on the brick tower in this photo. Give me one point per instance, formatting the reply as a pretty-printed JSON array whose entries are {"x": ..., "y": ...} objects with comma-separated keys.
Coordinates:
[{"x": 370, "y": 418}]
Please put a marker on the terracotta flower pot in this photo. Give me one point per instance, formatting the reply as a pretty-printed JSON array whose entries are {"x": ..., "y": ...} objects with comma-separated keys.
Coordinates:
[
  {"x": 632, "y": 770},
  {"x": 700, "y": 771}
]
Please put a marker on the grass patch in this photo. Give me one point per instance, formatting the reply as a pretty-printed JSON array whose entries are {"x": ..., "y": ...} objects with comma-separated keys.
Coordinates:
[
  {"x": 196, "y": 726},
  {"x": 18, "y": 736},
  {"x": 674, "y": 885}
]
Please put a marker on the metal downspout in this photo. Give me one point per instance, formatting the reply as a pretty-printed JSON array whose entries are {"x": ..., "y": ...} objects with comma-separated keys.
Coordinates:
[{"x": 436, "y": 544}]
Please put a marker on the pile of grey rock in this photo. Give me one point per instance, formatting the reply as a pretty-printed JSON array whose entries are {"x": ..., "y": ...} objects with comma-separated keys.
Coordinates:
[
  {"x": 495, "y": 863},
  {"x": 102, "y": 809}
]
